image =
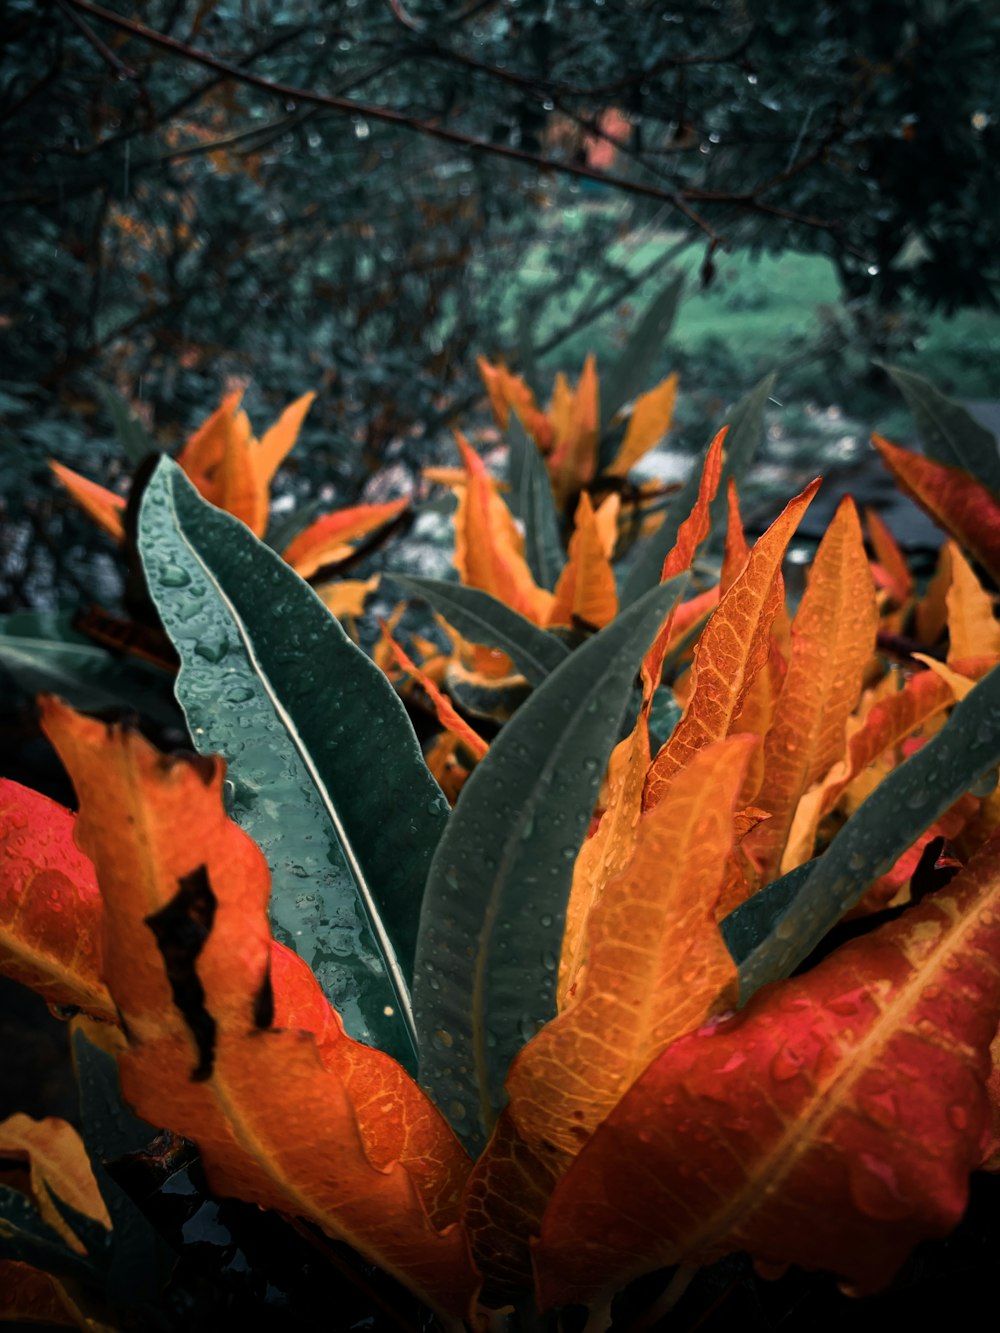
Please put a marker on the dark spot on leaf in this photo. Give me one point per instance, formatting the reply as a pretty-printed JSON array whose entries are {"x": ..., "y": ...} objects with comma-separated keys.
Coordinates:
[
  {"x": 181, "y": 929},
  {"x": 263, "y": 1001}
]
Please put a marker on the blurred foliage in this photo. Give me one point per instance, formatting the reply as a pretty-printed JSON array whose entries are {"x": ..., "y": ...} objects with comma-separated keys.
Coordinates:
[{"x": 170, "y": 229}]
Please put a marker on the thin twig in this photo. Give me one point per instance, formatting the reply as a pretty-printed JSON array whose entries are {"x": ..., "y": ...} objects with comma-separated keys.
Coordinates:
[{"x": 103, "y": 50}]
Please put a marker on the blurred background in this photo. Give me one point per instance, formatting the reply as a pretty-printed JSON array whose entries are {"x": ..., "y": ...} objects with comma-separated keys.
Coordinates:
[{"x": 360, "y": 196}]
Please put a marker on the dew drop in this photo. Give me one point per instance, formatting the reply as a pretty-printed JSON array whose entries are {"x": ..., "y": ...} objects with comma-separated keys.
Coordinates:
[{"x": 174, "y": 576}]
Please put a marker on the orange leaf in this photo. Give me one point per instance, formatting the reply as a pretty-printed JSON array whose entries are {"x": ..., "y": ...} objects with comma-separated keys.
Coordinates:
[
  {"x": 833, "y": 637},
  {"x": 105, "y": 507},
  {"x": 347, "y": 597},
  {"x": 508, "y": 391},
  {"x": 447, "y": 715},
  {"x": 932, "y": 609},
  {"x": 29, "y": 1296},
  {"x": 278, "y": 440},
  {"x": 489, "y": 550},
  {"x": 952, "y": 498},
  {"x": 573, "y": 461},
  {"x": 896, "y": 574},
  {"x": 606, "y": 852},
  {"x": 50, "y": 907},
  {"x": 737, "y": 552},
  {"x": 188, "y": 959},
  {"x": 656, "y": 966},
  {"x": 648, "y": 424},
  {"x": 202, "y": 454},
  {"x": 505, "y": 1198},
  {"x": 691, "y": 533},
  {"x": 888, "y": 723},
  {"x": 832, "y": 1124},
  {"x": 973, "y": 630},
  {"x": 586, "y": 591},
  {"x": 328, "y": 538},
  {"x": 58, "y": 1166},
  {"x": 734, "y": 646}
]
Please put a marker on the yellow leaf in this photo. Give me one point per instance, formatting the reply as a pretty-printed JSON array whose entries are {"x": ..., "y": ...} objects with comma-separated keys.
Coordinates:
[
  {"x": 648, "y": 424},
  {"x": 347, "y": 597}
]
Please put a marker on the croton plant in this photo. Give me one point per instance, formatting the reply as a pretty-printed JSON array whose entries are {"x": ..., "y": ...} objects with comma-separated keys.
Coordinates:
[{"x": 552, "y": 1002}]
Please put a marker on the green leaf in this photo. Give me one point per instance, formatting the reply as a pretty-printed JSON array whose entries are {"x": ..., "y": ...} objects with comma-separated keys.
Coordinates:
[
  {"x": 532, "y": 502},
  {"x": 43, "y": 652},
  {"x": 483, "y": 619},
  {"x": 328, "y": 776},
  {"x": 901, "y": 807},
  {"x": 135, "y": 440},
  {"x": 25, "y": 1237},
  {"x": 141, "y": 1261},
  {"x": 630, "y": 374},
  {"x": 750, "y": 924},
  {"x": 494, "y": 907},
  {"x": 947, "y": 431},
  {"x": 746, "y": 426}
]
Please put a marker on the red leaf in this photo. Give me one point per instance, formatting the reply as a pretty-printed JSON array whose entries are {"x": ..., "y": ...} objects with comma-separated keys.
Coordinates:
[
  {"x": 832, "y": 1124},
  {"x": 952, "y": 498}
]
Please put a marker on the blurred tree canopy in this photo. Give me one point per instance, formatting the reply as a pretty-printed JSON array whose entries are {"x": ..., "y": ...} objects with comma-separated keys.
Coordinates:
[{"x": 342, "y": 193}]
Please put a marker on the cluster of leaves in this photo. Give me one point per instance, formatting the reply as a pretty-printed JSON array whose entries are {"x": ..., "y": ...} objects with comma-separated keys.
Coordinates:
[{"x": 548, "y": 1040}]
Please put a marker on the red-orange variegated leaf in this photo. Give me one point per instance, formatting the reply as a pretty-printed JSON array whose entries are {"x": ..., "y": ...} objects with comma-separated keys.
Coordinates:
[
  {"x": 833, "y": 637},
  {"x": 733, "y": 647},
  {"x": 648, "y": 424},
  {"x": 446, "y": 712},
  {"x": 58, "y": 1168},
  {"x": 329, "y": 537},
  {"x": 953, "y": 499},
  {"x": 832, "y": 1124},
  {"x": 202, "y": 453},
  {"x": 973, "y": 629},
  {"x": 508, "y": 391},
  {"x": 586, "y": 592},
  {"x": 103, "y": 506},
  {"x": 489, "y": 550},
  {"x": 656, "y": 966},
  {"x": 757, "y": 714},
  {"x": 991, "y": 1157},
  {"x": 691, "y": 533},
  {"x": 188, "y": 960},
  {"x": 887, "y": 725},
  {"x": 737, "y": 551},
  {"x": 219, "y": 461},
  {"x": 505, "y": 1197},
  {"x": 50, "y": 907},
  {"x": 891, "y": 571}
]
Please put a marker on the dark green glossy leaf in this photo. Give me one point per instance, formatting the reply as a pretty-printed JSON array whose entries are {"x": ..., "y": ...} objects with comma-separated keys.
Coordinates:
[
  {"x": 483, "y": 619},
  {"x": 901, "y": 807},
  {"x": 630, "y": 375},
  {"x": 328, "y": 776},
  {"x": 497, "y": 700},
  {"x": 135, "y": 440},
  {"x": 751, "y": 923},
  {"x": 947, "y": 431},
  {"x": 532, "y": 502},
  {"x": 746, "y": 426},
  {"x": 43, "y": 652},
  {"x": 24, "y": 1236},
  {"x": 141, "y": 1262},
  {"x": 494, "y": 907},
  {"x": 664, "y": 714}
]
